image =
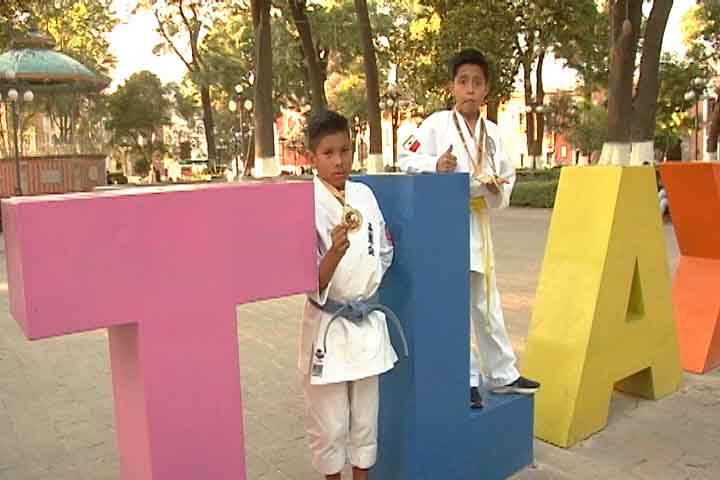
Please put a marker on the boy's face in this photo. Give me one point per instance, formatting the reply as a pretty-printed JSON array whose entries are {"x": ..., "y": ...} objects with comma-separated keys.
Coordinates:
[
  {"x": 333, "y": 158},
  {"x": 469, "y": 87}
]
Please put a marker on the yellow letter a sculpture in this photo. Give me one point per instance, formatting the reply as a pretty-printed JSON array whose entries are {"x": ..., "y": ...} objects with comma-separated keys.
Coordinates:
[{"x": 603, "y": 317}]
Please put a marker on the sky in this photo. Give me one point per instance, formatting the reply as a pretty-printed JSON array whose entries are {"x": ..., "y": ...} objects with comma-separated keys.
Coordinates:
[
  {"x": 132, "y": 42},
  {"x": 133, "y": 39}
]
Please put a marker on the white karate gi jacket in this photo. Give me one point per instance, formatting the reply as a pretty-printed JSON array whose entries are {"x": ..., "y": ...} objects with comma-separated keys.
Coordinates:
[
  {"x": 420, "y": 153},
  {"x": 354, "y": 351}
]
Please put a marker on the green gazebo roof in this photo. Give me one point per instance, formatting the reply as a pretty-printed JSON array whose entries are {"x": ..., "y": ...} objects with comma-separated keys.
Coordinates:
[{"x": 33, "y": 62}]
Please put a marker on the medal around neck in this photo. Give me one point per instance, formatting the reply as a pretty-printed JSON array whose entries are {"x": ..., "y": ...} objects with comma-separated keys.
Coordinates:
[{"x": 352, "y": 218}]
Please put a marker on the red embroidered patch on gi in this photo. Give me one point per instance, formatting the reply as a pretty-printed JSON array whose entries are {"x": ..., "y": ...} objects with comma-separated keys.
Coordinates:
[{"x": 411, "y": 144}]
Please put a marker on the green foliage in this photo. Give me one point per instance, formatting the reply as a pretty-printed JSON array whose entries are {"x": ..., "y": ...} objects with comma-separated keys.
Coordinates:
[
  {"x": 590, "y": 129},
  {"x": 534, "y": 175},
  {"x": 561, "y": 113},
  {"x": 585, "y": 48},
  {"x": 442, "y": 29},
  {"x": 346, "y": 92},
  {"x": 79, "y": 28},
  {"x": 673, "y": 119},
  {"x": 139, "y": 109},
  {"x": 701, "y": 31},
  {"x": 510, "y": 32},
  {"x": 537, "y": 194}
]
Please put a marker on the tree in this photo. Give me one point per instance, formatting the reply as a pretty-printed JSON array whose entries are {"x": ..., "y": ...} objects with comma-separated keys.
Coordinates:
[
  {"x": 513, "y": 34},
  {"x": 264, "y": 115},
  {"x": 543, "y": 26},
  {"x": 14, "y": 15},
  {"x": 673, "y": 121},
  {"x": 589, "y": 131},
  {"x": 372, "y": 82},
  {"x": 346, "y": 91},
  {"x": 79, "y": 29},
  {"x": 181, "y": 24},
  {"x": 561, "y": 112},
  {"x": 587, "y": 52},
  {"x": 313, "y": 56},
  {"x": 442, "y": 29},
  {"x": 138, "y": 110},
  {"x": 701, "y": 28},
  {"x": 632, "y": 112}
]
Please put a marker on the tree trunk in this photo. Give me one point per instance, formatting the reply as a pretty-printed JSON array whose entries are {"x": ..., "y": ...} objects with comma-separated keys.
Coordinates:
[
  {"x": 372, "y": 82},
  {"x": 712, "y": 139},
  {"x": 539, "y": 98},
  {"x": 622, "y": 67},
  {"x": 645, "y": 104},
  {"x": 312, "y": 65},
  {"x": 493, "y": 106},
  {"x": 529, "y": 115},
  {"x": 264, "y": 133},
  {"x": 209, "y": 125}
]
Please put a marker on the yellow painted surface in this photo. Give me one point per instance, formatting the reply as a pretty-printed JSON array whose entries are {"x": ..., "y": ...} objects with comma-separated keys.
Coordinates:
[{"x": 603, "y": 316}]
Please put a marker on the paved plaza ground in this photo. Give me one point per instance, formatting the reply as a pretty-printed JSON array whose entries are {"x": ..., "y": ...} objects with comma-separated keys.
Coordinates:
[{"x": 56, "y": 419}]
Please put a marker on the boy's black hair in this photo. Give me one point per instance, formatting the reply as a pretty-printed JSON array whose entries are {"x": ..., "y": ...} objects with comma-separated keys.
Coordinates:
[
  {"x": 323, "y": 123},
  {"x": 470, "y": 56}
]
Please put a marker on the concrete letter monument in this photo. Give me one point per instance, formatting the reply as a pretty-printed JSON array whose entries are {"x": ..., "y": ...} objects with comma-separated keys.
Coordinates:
[
  {"x": 603, "y": 316},
  {"x": 694, "y": 194},
  {"x": 427, "y": 429},
  {"x": 163, "y": 270}
]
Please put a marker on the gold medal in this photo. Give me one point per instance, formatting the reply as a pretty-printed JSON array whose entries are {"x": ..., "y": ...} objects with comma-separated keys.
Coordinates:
[{"x": 352, "y": 218}]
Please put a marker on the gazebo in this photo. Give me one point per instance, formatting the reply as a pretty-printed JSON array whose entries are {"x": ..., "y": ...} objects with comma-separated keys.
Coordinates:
[{"x": 32, "y": 70}]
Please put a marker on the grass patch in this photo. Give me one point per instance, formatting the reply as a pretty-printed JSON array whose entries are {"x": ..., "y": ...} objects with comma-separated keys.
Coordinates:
[{"x": 536, "y": 194}]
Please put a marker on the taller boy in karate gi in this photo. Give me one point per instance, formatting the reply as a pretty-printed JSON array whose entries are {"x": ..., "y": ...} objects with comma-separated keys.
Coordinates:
[{"x": 460, "y": 140}]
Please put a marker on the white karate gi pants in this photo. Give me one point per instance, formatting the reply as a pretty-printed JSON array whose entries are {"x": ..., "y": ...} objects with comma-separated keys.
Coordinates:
[
  {"x": 341, "y": 421},
  {"x": 491, "y": 353}
]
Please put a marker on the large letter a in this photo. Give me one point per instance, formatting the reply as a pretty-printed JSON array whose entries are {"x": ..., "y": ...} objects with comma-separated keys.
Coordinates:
[{"x": 603, "y": 318}]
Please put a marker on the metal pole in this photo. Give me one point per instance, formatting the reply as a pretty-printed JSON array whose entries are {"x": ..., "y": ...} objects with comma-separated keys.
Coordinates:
[
  {"x": 697, "y": 128},
  {"x": 394, "y": 135},
  {"x": 18, "y": 186},
  {"x": 531, "y": 147}
]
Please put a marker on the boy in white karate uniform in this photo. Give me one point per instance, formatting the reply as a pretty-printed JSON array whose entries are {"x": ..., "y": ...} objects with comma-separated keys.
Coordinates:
[
  {"x": 460, "y": 140},
  {"x": 341, "y": 356}
]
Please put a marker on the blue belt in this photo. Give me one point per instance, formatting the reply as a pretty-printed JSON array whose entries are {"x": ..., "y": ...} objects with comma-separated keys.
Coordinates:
[{"x": 356, "y": 312}]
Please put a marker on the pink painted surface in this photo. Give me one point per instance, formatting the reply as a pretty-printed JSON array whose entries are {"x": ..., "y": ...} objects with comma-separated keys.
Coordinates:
[{"x": 163, "y": 269}]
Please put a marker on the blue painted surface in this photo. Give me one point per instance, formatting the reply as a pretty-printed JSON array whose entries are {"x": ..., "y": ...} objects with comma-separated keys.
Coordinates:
[{"x": 427, "y": 430}]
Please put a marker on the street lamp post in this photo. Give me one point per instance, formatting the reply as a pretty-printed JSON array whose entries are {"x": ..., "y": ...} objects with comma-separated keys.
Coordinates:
[
  {"x": 240, "y": 106},
  {"x": 248, "y": 105},
  {"x": 14, "y": 101},
  {"x": 392, "y": 103},
  {"x": 356, "y": 137},
  {"x": 696, "y": 92}
]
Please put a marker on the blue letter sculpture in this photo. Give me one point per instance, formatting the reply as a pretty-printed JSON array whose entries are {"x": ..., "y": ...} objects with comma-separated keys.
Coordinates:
[{"x": 427, "y": 429}]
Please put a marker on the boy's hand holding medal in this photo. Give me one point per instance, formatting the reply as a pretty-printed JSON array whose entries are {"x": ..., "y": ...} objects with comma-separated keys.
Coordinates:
[{"x": 493, "y": 183}]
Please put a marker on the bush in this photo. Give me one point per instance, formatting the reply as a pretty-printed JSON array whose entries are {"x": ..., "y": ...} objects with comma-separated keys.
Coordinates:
[
  {"x": 530, "y": 175},
  {"x": 537, "y": 194}
]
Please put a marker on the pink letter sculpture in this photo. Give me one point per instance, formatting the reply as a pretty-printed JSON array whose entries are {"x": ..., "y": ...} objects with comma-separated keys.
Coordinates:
[{"x": 163, "y": 269}]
